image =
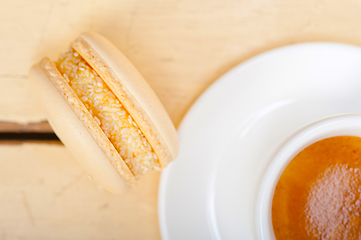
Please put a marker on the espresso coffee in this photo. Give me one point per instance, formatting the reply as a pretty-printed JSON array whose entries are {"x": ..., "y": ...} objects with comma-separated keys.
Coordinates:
[{"x": 318, "y": 196}]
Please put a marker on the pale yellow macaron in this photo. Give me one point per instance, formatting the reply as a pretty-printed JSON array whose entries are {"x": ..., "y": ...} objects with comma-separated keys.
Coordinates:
[{"x": 104, "y": 112}]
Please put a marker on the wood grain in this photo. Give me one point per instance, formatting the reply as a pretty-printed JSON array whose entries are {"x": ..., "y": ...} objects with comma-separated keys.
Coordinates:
[
  {"x": 44, "y": 194},
  {"x": 180, "y": 47}
]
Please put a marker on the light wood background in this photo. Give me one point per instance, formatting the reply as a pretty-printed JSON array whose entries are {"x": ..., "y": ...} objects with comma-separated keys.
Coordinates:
[{"x": 180, "y": 47}]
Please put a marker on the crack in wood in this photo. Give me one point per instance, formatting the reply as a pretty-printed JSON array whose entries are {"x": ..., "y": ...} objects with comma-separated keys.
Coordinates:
[
  {"x": 69, "y": 185},
  {"x": 27, "y": 209},
  {"x": 28, "y": 136},
  {"x": 15, "y": 133}
]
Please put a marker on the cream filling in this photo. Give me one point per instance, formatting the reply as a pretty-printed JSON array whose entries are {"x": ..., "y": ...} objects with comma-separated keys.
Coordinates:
[{"x": 109, "y": 113}]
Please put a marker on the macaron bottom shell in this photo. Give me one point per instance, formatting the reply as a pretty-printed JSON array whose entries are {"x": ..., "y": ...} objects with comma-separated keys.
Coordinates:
[{"x": 75, "y": 136}]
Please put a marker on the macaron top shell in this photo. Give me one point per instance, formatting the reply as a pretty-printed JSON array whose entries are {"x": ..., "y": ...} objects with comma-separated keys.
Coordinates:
[{"x": 132, "y": 91}]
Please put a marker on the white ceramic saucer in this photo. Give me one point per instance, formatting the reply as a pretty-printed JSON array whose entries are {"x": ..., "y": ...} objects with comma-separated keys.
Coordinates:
[{"x": 231, "y": 133}]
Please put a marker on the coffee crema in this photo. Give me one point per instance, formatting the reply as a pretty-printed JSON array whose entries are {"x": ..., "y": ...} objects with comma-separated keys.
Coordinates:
[{"x": 318, "y": 196}]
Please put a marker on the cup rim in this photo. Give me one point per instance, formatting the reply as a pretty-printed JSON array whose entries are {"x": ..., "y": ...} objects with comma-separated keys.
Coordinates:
[{"x": 341, "y": 125}]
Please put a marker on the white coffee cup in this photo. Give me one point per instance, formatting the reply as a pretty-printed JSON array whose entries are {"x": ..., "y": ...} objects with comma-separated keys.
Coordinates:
[{"x": 342, "y": 125}]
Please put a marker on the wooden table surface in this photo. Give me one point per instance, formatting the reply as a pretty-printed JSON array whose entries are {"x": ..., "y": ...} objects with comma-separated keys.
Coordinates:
[{"x": 180, "y": 47}]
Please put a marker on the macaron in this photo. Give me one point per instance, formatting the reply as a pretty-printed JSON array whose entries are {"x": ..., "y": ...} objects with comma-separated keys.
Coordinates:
[{"x": 104, "y": 112}]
